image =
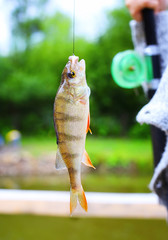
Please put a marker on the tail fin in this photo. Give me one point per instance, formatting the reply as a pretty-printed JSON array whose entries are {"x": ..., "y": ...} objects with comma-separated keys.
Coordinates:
[{"x": 80, "y": 195}]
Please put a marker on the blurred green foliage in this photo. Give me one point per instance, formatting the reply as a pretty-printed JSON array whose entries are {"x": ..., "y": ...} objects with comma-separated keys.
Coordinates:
[{"x": 31, "y": 74}]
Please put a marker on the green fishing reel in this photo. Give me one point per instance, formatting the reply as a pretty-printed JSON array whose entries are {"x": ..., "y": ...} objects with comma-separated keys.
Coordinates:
[{"x": 130, "y": 70}]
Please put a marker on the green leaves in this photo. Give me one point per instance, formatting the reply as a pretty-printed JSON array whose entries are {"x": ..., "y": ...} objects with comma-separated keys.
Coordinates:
[{"x": 30, "y": 76}]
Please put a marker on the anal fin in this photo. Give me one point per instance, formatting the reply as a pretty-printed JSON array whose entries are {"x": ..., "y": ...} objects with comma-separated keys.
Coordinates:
[{"x": 86, "y": 160}]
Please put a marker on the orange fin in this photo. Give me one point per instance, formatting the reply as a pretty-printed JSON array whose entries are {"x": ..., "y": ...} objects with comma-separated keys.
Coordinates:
[
  {"x": 73, "y": 200},
  {"x": 82, "y": 101},
  {"x": 80, "y": 196},
  {"x": 88, "y": 125},
  {"x": 86, "y": 160}
]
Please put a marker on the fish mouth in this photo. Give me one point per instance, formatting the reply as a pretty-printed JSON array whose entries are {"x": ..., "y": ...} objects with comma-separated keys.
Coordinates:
[
  {"x": 75, "y": 59},
  {"x": 75, "y": 68}
]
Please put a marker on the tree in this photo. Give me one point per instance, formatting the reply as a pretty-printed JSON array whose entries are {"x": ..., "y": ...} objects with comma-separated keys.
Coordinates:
[
  {"x": 109, "y": 100},
  {"x": 26, "y": 18},
  {"x": 30, "y": 76}
]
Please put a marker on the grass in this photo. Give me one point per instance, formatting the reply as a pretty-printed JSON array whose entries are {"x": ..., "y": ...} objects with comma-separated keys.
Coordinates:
[
  {"x": 112, "y": 157},
  {"x": 122, "y": 165},
  {"x": 111, "y": 152},
  {"x": 91, "y": 182},
  {"x": 26, "y": 227}
]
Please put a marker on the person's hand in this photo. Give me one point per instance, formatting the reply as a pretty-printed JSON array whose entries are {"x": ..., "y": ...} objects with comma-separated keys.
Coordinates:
[{"x": 135, "y": 6}]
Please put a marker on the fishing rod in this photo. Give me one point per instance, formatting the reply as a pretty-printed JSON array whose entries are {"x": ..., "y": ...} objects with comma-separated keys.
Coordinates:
[
  {"x": 130, "y": 70},
  {"x": 152, "y": 51}
]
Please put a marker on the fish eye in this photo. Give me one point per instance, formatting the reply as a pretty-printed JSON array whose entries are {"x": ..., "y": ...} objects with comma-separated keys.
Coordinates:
[{"x": 71, "y": 74}]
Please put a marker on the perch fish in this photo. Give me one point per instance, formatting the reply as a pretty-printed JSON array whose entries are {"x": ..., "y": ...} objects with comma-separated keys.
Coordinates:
[{"x": 71, "y": 121}]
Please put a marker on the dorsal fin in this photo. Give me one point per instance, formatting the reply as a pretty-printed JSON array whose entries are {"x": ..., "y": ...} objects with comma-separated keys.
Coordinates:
[{"x": 59, "y": 161}]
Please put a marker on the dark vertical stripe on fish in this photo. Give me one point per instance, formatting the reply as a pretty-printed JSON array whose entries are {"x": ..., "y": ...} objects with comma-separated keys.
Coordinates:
[
  {"x": 67, "y": 155},
  {"x": 72, "y": 173},
  {"x": 64, "y": 99},
  {"x": 60, "y": 116},
  {"x": 69, "y": 137}
]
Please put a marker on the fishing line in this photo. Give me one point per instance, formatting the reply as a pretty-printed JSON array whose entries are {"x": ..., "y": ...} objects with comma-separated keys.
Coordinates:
[{"x": 73, "y": 28}]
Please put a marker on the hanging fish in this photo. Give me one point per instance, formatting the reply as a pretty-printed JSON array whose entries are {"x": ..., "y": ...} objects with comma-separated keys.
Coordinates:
[{"x": 71, "y": 121}]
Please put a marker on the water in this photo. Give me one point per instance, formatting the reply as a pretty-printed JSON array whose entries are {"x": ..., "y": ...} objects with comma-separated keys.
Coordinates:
[{"x": 26, "y": 227}]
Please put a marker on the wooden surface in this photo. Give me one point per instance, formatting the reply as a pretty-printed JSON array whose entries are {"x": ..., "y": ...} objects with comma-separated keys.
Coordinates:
[{"x": 99, "y": 204}]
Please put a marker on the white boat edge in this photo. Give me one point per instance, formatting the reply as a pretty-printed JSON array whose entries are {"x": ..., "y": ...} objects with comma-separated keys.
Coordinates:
[{"x": 94, "y": 197}]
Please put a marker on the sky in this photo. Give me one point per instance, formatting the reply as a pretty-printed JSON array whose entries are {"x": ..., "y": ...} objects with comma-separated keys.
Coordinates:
[{"x": 90, "y": 17}]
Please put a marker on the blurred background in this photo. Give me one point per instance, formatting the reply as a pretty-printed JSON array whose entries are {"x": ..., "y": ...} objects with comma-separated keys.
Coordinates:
[{"x": 35, "y": 43}]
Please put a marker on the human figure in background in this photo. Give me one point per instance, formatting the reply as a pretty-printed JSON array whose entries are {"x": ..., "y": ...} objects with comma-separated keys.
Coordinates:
[
  {"x": 155, "y": 112},
  {"x": 13, "y": 138},
  {"x": 135, "y": 6},
  {"x": 2, "y": 142}
]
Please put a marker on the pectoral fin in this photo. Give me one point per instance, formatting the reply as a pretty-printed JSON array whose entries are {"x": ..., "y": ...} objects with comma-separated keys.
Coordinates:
[
  {"x": 88, "y": 125},
  {"x": 59, "y": 161},
  {"x": 86, "y": 160}
]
